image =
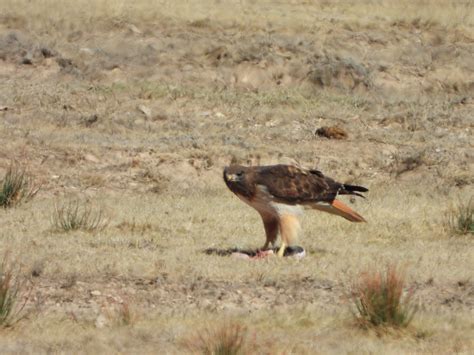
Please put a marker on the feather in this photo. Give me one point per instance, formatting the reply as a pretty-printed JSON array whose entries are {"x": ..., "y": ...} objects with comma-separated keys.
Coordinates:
[
  {"x": 293, "y": 185},
  {"x": 340, "y": 209}
]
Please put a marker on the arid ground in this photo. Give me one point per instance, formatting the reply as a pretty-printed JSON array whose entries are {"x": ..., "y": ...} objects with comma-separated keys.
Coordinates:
[{"x": 135, "y": 107}]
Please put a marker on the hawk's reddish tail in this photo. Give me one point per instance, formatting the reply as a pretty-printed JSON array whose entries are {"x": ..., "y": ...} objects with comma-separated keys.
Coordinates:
[
  {"x": 338, "y": 208},
  {"x": 346, "y": 212}
]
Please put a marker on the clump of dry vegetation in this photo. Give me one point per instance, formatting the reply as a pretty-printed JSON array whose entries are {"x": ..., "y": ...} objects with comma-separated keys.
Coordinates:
[
  {"x": 229, "y": 339},
  {"x": 16, "y": 187},
  {"x": 380, "y": 301},
  {"x": 461, "y": 220},
  {"x": 408, "y": 162},
  {"x": 13, "y": 294},
  {"x": 77, "y": 215},
  {"x": 120, "y": 314}
]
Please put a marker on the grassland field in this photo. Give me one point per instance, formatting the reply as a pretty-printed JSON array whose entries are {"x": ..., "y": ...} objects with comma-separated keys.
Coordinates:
[{"x": 134, "y": 108}]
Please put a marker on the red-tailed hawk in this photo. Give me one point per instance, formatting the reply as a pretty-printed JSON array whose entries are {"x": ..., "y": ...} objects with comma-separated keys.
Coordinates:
[{"x": 281, "y": 192}]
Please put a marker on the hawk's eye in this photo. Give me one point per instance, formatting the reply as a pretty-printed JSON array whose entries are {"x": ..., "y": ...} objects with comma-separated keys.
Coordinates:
[{"x": 240, "y": 174}]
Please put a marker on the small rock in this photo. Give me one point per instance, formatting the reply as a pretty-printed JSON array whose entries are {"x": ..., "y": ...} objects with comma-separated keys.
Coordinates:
[
  {"x": 134, "y": 29},
  {"x": 139, "y": 122},
  {"x": 96, "y": 293},
  {"x": 91, "y": 158},
  {"x": 46, "y": 52},
  {"x": 145, "y": 110},
  {"x": 90, "y": 120},
  {"x": 88, "y": 51},
  {"x": 101, "y": 321},
  {"x": 205, "y": 303},
  {"x": 28, "y": 59},
  {"x": 65, "y": 63}
]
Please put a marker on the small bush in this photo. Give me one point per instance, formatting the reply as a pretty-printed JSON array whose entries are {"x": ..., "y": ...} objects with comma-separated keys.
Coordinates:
[
  {"x": 461, "y": 220},
  {"x": 120, "y": 314},
  {"x": 76, "y": 215},
  {"x": 379, "y": 300},
  {"x": 125, "y": 316},
  {"x": 12, "y": 290},
  {"x": 15, "y": 187},
  {"x": 230, "y": 339}
]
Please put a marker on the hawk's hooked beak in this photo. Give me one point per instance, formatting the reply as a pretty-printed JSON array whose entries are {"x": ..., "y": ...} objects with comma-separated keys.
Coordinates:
[{"x": 232, "y": 177}]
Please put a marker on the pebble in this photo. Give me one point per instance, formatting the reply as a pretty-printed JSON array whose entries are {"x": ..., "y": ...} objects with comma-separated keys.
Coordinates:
[
  {"x": 145, "y": 110},
  {"x": 91, "y": 158},
  {"x": 101, "y": 321}
]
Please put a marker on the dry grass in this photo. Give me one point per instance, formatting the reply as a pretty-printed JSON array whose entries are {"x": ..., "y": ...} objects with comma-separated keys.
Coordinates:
[
  {"x": 139, "y": 105},
  {"x": 15, "y": 187},
  {"x": 13, "y": 293},
  {"x": 380, "y": 299},
  {"x": 422, "y": 12},
  {"x": 461, "y": 220},
  {"x": 120, "y": 314},
  {"x": 78, "y": 215},
  {"x": 176, "y": 288},
  {"x": 228, "y": 339},
  {"x": 202, "y": 14}
]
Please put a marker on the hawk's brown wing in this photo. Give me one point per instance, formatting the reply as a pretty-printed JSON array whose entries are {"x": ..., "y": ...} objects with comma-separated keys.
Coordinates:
[{"x": 291, "y": 184}]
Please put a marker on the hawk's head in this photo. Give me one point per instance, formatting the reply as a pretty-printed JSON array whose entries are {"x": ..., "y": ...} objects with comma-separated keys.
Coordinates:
[{"x": 238, "y": 179}]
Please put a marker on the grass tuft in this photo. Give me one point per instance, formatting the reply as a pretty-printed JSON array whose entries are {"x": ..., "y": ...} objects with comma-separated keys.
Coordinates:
[
  {"x": 15, "y": 187},
  {"x": 379, "y": 300},
  {"x": 76, "y": 215},
  {"x": 12, "y": 290},
  {"x": 461, "y": 220},
  {"x": 120, "y": 314},
  {"x": 229, "y": 339}
]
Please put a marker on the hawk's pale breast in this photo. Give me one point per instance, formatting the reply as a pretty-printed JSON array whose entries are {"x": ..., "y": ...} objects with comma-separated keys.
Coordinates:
[{"x": 265, "y": 203}]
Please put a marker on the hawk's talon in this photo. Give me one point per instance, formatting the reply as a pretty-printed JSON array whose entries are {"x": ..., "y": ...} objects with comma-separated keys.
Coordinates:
[{"x": 281, "y": 251}]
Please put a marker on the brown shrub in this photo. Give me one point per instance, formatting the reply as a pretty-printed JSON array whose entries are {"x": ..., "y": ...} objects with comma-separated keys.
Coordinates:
[
  {"x": 461, "y": 220},
  {"x": 379, "y": 301},
  {"x": 229, "y": 339}
]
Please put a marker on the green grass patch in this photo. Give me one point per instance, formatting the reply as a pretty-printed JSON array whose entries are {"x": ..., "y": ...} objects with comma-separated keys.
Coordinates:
[
  {"x": 16, "y": 187},
  {"x": 13, "y": 294},
  {"x": 77, "y": 215}
]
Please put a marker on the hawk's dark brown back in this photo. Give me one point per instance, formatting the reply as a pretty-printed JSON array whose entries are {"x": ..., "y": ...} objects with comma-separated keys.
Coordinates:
[{"x": 296, "y": 185}]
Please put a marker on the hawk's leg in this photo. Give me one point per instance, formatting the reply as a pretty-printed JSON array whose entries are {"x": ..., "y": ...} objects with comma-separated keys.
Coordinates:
[
  {"x": 289, "y": 228},
  {"x": 271, "y": 229}
]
